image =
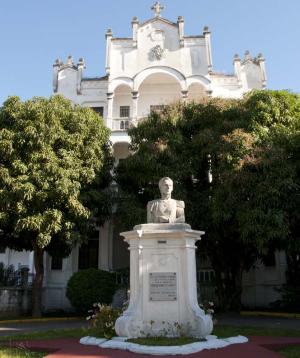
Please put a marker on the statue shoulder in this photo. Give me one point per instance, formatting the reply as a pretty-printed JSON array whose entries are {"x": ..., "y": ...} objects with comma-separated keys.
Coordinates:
[
  {"x": 151, "y": 203},
  {"x": 180, "y": 204}
]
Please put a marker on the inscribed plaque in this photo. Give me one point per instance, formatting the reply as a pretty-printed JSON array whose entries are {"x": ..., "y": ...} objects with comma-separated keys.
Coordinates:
[{"x": 162, "y": 286}]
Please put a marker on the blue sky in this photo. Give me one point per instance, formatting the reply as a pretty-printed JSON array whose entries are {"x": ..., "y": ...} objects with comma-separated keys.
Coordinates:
[{"x": 33, "y": 33}]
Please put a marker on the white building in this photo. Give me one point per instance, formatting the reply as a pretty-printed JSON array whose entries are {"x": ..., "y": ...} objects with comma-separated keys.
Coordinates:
[{"x": 158, "y": 65}]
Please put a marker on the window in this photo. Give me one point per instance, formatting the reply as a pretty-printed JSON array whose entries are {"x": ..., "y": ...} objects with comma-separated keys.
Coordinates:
[
  {"x": 205, "y": 276},
  {"x": 269, "y": 259},
  {"x": 157, "y": 107},
  {"x": 56, "y": 263},
  {"x": 98, "y": 110},
  {"x": 124, "y": 125},
  {"x": 124, "y": 111},
  {"x": 88, "y": 255}
]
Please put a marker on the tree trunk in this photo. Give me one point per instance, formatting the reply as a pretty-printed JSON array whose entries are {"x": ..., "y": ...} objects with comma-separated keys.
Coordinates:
[
  {"x": 38, "y": 282},
  {"x": 229, "y": 288}
]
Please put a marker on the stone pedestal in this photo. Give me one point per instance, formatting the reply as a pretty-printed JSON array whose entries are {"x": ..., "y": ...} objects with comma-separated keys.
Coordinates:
[{"x": 163, "y": 291}]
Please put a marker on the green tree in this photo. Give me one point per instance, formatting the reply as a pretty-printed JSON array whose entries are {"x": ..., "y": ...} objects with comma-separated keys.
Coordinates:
[
  {"x": 54, "y": 168},
  {"x": 250, "y": 149}
]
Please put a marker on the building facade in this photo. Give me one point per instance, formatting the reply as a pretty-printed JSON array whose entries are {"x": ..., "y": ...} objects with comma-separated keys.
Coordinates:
[{"x": 158, "y": 65}]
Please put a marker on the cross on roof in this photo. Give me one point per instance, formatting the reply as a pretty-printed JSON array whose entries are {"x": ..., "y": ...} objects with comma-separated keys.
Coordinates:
[{"x": 157, "y": 8}]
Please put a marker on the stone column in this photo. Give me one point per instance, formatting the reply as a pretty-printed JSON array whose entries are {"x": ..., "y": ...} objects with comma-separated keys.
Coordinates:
[
  {"x": 206, "y": 34},
  {"x": 135, "y": 97},
  {"x": 237, "y": 68},
  {"x": 108, "y": 36},
  {"x": 262, "y": 66},
  {"x": 184, "y": 95},
  {"x": 105, "y": 246},
  {"x": 80, "y": 68},
  {"x": 56, "y": 68},
  {"x": 180, "y": 23},
  {"x": 110, "y": 103},
  {"x": 135, "y": 26}
]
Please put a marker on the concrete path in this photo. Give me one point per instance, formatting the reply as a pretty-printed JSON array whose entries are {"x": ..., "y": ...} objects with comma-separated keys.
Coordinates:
[{"x": 257, "y": 347}]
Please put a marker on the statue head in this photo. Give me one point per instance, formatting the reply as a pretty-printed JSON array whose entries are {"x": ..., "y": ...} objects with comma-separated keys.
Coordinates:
[{"x": 166, "y": 187}]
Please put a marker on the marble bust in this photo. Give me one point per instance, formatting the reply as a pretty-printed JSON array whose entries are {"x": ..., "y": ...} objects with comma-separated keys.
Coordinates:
[{"x": 166, "y": 209}]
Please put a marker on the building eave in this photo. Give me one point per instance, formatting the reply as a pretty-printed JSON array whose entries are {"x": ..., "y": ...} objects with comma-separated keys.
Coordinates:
[
  {"x": 104, "y": 78},
  {"x": 162, "y": 19}
]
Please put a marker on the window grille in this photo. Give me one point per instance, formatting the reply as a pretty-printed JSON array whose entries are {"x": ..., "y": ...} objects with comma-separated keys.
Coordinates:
[
  {"x": 88, "y": 254},
  {"x": 98, "y": 110},
  {"x": 124, "y": 111},
  {"x": 157, "y": 108},
  {"x": 124, "y": 125},
  {"x": 56, "y": 263}
]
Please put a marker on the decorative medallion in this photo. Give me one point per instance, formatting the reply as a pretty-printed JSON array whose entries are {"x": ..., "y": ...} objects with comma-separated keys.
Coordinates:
[
  {"x": 157, "y": 52},
  {"x": 157, "y": 36}
]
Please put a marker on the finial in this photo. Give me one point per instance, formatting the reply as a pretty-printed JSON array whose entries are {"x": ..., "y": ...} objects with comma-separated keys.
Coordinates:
[
  {"x": 236, "y": 57},
  {"x": 135, "y": 20},
  {"x": 70, "y": 60},
  {"x": 57, "y": 62},
  {"x": 260, "y": 56},
  {"x": 206, "y": 30},
  {"x": 247, "y": 55},
  {"x": 108, "y": 33},
  {"x": 157, "y": 8},
  {"x": 180, "y": 19},
  {"x": 81, "y": 62}
]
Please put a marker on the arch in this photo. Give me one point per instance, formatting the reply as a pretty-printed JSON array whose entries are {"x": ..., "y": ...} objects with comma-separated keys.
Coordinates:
[
  {"x": 141, "y": 76},
  {"x": 201, "y": 80},
  {"x": 119, "y": 81},
  {"x": 196, "y": 92}
]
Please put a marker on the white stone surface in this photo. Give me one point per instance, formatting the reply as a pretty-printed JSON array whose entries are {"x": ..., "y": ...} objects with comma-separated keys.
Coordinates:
[
  {"x": 92, "y": 341},
  {"x": 158, "y": 65},
  {"x": 212, "y": 343},
  {"x": 163, "y": 248}
]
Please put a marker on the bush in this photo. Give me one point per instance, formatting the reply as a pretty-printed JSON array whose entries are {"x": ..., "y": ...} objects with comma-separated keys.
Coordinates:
[
  {"x": 89, "y": 286},
  {"x": 103, "y": 319}
]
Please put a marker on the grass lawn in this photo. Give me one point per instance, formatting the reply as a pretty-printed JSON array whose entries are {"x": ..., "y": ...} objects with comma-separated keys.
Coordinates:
[
  {"x": 230, "y": 331},
  {"x": 51, "y": 334},
  {"x": 163, "y": 341},
  {"x": 290, "y": 351},
  {"x": 19, "y": 353},
  {"x": 220, "y": 331}
]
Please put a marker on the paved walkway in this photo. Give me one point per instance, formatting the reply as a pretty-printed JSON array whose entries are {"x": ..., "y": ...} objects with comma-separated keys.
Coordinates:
[{"x": 257, "y": 347}]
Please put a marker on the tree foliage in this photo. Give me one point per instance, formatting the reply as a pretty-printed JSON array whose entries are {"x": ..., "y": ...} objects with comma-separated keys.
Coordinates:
[
  {"x": 251, "y": 149},
  {"x": 54, "y": 165}
]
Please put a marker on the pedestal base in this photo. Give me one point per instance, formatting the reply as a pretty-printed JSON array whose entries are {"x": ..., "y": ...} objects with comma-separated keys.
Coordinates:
[{"x": 163, "y": 293}]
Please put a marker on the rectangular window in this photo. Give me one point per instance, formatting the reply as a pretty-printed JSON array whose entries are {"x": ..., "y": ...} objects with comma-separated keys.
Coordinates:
[
  {"x": 88, "y": 255},
  {"x": 269, "y": 259},
  {"x": 124, "y": 125},
  {"x": 56, "y": 263},
  {"x": 205, "y": 276},
  {"x": 98, "y": 110},
  {"x": 124, "y": 111},
  {"x": 157, "y": 108}
]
